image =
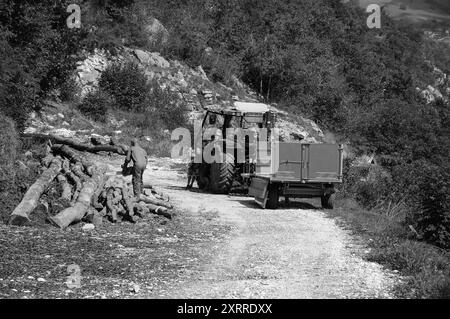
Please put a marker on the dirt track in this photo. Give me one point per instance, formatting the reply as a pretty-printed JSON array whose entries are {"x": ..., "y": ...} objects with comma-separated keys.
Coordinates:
[{"x": 293, "y": 252}]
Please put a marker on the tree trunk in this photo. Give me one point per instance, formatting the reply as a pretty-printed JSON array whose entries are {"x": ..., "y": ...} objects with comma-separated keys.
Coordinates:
[
  {"x": 128, "y": 202},
  {"x": 78, "y": 185},
  {"x": 156, "y": 202},
  {"x": 110, "y": 209},
  {"x": 158, "y": 210},
  {"x": 67, "y": 152},
  {"x": 77, "y": 212},
  {"x": 20, "y": 215},
  {"x": 65, "y": 186},
  {"x": 118, "y": 149}
]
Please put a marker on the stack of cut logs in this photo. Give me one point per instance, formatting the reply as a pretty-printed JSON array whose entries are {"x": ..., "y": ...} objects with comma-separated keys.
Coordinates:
[{"x": 88, "y": 193}]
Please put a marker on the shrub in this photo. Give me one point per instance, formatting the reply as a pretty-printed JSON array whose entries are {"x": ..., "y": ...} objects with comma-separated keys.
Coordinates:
[
  {"x": 426, "y": 186},
  {"x": 165, "y": 111},
  {"x": 169, "y": 108},
  {"x": 8, "y": 140},
  {"x": 128, "y": 86},
  {"x": 219, "y": 68},
  {"x": 95, "y": 105},
  {"x": 70, "y": 90},
  {"x": 8, "y": 148},
  {"x": 369, "y": 185}
]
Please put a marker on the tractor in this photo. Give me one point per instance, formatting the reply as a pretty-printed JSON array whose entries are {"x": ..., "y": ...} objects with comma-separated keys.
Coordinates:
[{"x": 222, "y": 176}]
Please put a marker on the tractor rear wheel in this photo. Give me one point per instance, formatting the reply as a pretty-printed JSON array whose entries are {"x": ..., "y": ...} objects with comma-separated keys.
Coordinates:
[{"x": 222, "y": 175}]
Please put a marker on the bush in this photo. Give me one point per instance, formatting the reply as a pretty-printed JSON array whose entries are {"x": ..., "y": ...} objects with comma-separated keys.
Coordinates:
[
  {"x": 369, "y": 185},
  {"x": 127, "y": 85},
  {"x": 164, "y": 111},
  {"x": 8, "y": 140},
  {"x": 8, "y": 148},
  {"x": 95, "y": 105},
  {"x": 219, "y": 68},
  {"x": 70, "y": 90},
  {"x": 168, "y": 107},
  {"x": 426, "y": 186}
]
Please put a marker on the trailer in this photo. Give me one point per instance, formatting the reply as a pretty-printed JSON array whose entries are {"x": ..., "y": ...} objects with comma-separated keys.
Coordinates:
[{"x": 297, "y": 170}]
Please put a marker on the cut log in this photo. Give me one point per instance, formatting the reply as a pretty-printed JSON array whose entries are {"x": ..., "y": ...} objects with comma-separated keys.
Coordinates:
[
  {"x": 47, "y": 160},
  {"x": 93, "y": 217},
  {"x": 77, "y": 183},
  {"x": 95, "y": 198},
  {"x": 65, "y": 186},
  {"x": 124, "y": 147},
  {"x": 77, "y": 169},
  {"x": 118, "y": 149},
  {"x": 58, "y": 205},
  {"x": 99, "y": 198},
  {"x": 127, "y": 201},
  {"x": 110, "y": 209},
  {"x": 155, "y": 191},
  {"x": 147, "y": 185},
  {"x": 158, "y": 210},
  {"x": 77, "y": 212},
  {"x": 103, "y": 212},
  {"x": 160, "y": 195},
  {"x": 96, "y": 141},
  {"x": 20, "y": 215},
  {"x": 141, "y": 210},
  {"x": 155, "y": 201},
  {"x": 67, "y": 152}
]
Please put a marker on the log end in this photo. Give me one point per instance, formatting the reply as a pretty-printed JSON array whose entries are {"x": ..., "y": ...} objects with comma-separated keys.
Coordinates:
[
  {"x": 55, "y": 221},
  {"x": 18, "y": 220}
]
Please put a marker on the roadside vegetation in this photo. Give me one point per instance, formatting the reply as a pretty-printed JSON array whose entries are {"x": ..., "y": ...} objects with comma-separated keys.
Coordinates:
[{"x": 389, "y": 227}]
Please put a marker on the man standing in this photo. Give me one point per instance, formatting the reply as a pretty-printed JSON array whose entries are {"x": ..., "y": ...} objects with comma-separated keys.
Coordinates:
[{"x": 139, "y": 157}]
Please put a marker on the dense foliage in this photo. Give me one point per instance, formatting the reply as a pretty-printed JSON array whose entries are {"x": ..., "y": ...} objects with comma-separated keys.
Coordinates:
[
  {"x": 125, "y": 87},
  {"x": 95, "y": 105},
  {"x": 127, "y": 84}
]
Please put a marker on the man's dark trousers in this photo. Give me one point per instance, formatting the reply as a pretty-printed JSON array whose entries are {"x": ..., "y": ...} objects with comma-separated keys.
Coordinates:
[{"x": 137, "y": 180}]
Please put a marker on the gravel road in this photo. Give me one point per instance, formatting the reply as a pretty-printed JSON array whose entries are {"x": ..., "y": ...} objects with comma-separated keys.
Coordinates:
[{"x": 295, "y": 251}]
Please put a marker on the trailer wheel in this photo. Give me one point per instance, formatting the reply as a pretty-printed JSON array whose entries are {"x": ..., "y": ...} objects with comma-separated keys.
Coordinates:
[
  {"x": 327, "y": 201},
  {"x": 273, "y": 197}
]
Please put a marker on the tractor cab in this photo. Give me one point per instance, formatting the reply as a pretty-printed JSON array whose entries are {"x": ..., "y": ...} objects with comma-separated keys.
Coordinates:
[
  {"x": 242, "y": 115},
  {"x": 217, "y": 127}
]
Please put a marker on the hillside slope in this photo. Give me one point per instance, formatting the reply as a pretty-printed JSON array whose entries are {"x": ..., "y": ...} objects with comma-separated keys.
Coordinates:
[{"x": 191, "y": 86}]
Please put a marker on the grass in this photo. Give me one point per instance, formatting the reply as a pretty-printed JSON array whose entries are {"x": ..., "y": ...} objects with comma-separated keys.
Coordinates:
[
  {"x": 426, "y": 268},
  {"x": 155, "y": 254}
]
